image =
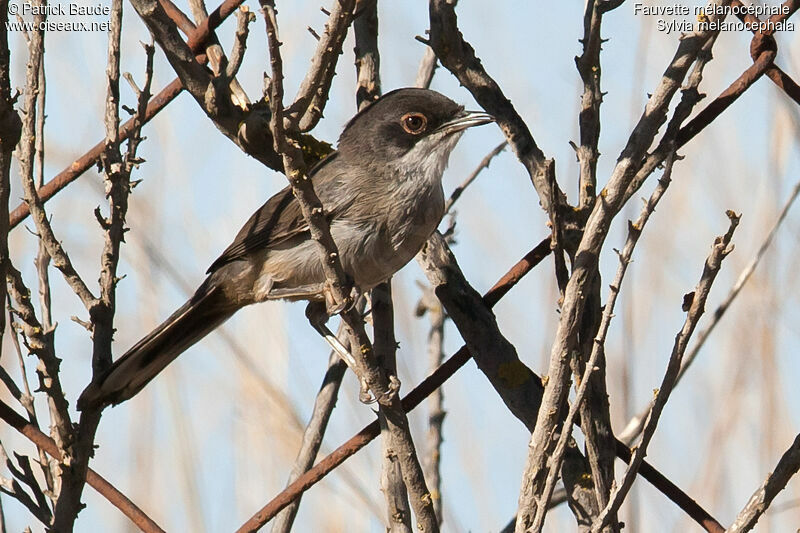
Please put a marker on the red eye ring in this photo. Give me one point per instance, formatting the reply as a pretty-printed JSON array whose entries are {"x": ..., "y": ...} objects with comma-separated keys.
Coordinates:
[{"x": 414, "y": 123}]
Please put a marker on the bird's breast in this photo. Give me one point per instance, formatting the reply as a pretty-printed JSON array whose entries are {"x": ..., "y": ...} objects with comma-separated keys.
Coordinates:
[{"x": 374, "y": 249}]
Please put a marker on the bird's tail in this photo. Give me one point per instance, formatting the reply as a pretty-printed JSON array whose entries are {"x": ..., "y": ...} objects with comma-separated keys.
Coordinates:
[{"x": 206, "y": 310}]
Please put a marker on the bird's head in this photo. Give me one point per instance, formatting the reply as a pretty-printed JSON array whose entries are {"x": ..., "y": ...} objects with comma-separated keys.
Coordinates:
[{"x": 415, "y": 129}]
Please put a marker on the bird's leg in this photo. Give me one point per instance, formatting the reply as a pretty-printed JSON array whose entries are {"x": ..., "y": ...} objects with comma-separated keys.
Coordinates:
[{"x": 317, "y": 314}]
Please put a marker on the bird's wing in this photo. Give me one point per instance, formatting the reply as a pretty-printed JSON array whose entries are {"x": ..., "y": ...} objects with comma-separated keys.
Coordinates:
[{"x": 275, "y": 222}]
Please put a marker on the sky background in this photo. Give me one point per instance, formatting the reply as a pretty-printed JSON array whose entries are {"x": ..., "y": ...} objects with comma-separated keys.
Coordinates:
[{"x": 213, "y": 438}]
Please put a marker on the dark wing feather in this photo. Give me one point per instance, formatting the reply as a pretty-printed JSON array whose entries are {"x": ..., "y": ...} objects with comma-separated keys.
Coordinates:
[{"x": 278, "y": 220}]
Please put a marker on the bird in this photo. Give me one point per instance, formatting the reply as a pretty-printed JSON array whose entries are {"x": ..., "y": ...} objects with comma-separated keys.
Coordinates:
[{"x": 381, "y": 191}]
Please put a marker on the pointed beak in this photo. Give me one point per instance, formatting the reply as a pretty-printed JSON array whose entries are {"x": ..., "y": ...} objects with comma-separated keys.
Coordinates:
[{"x": 464, "y": 120}]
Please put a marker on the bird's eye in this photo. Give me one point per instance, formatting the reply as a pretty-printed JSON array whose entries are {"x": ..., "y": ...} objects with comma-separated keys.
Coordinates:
[{"x": 414, "y": 123}]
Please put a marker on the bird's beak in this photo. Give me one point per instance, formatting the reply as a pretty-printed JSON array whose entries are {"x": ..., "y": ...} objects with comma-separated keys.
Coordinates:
[{"x": 464, "y": 120}]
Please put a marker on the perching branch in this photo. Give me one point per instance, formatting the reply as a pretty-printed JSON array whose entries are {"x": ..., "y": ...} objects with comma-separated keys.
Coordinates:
[
  {"x": 398, "y": 512},
  {"x": 383, "y": 386}
]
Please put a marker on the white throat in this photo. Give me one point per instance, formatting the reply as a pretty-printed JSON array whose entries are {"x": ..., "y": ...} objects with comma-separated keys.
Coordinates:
[{"x": 428, "y": 158}]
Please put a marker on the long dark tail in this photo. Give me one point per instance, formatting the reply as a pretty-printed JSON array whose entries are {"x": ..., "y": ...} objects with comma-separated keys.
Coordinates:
[{"x": 130, "y": 373}]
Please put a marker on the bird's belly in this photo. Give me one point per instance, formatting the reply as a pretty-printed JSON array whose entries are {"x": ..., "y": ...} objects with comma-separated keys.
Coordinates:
[{"x": 389, "y": 244}]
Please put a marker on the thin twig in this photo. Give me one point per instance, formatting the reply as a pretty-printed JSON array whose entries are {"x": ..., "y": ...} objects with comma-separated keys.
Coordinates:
[
  {"x": 427, "y": 67},
  {"x": 243, "y": 19},
  {"x": 456, "y": 54},
  {"x": 743, "y": 278},
  {"x": 40, "y": 340},
  {"x": 368, "y": 59},
  {"x": 721, "y": 248},
  {"x": 308, "y": 105},
  {"x": 484, "y": 164},
  {"x": 595, "y": 418},
  {"x": 315, "y": 429},
  {"x": 10, "y": 132},
  {"x": 42, "y": 262},
  {"x": 635, "y": 425},
  {"x": 103, "y": 487},
  {"x": 775, "y": 482},
  {"x": 25, "y": 398},
  {"x": 224, "y": 68},
  {"x": 37, "y": 503}
]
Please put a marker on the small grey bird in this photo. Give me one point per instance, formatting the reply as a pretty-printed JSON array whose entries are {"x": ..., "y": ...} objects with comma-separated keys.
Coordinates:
[{"x": 382, "y": 193}]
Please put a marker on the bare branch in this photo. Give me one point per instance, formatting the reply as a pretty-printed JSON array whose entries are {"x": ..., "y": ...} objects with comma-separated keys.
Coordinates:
[
  {"x": 552, "y": 413},
  {"x": 589, "y": 118},
  {"x": 426, "y": 68},
  {"x": 430, "y": 305},
  {"x": 495, "y": 355},
  {"x": 721, "y": 248},
  {"x": 10, "y": 132},
  {"x": 308, "y": 105},
  {"x": 103, "y": 487},
  {"x": 315, "y": 430},
  {"x": 25, "y": 398},
  {"x": 743, "y": 278},
  {"x": 368, "y": 60},
  {"x": 181, "y": 19},
  {"x": 26, "y": 155},
  {"x": 195, "y": 78},
  {"x": 412, "y": 400},
  {"x": 224, "y": 68},
  {"x": 39, "y": 340},
  {"x": 392, "y": 484},
  {"x": 634, "y": 232},
  {"x": 383, "y": 386},
  {"x": 458, "y": 57},
  {"x": 398, "y": 512},
  {"x": 36, "y": 504},
  {"x": 775, "y": 482},
  {"x": 243, "y": 19},
  {"x": 635, "y": 425},
  {"x": 458, "y": 191}
]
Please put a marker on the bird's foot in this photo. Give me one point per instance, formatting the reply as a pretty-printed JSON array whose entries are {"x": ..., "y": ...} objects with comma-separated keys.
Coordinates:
[
  {"x": 364, "y": 394},
  {"x": 335, "y": 307}
]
